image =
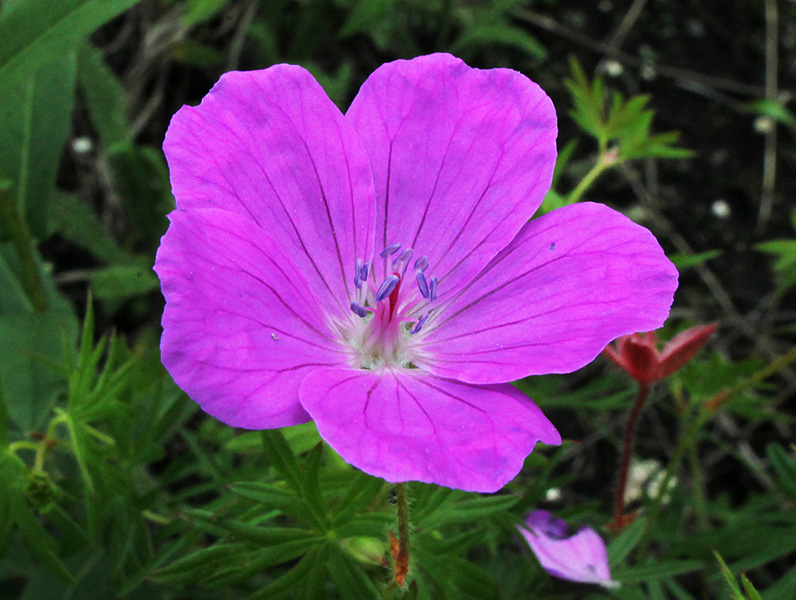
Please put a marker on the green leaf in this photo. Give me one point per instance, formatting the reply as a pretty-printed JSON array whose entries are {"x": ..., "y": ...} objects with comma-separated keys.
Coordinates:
[
  {"x": 735, "y": 591},
  {"x": 35, "y": 33},
  {"x": 364, "y": 14},
  {"x": 361, "y": 493},
  {"x": 31, "y": 347},
  {"x": 35, "y": 118},
  {"x": 280, "y": 455},
  {"x": 660, "y": 570},
  {"x": 468, "y": 510},
  {"x": 104, "y": 96},
  {"x": 773, "y": 109},
  {"x": 75, "y": 221},
  {"x": 291, "y": 580},
  {"x": 41, "y": 544},
  {"x": 685, "y": 261},
  {"x": 489, "y": 34},
  {"x": 784, "y": 467},
  {"x": 275, "y": 497},
  {"x": 349, "y": 577},
  {"x": 626, "y": 541},
  {"x": 198, "y": 11},
  {"x": 123, "y": 281}
]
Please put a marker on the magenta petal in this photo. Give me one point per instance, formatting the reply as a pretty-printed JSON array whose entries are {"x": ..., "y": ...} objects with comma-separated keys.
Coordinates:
[
  {"x": 239, "y": 330},
  {"x": 581, "y": 557},
  {"x": 461, "y": 157},
  {"x": 271, "y": 146},
  {"x": 572, "y": 281},
  {"x": 405, "y": 425}
]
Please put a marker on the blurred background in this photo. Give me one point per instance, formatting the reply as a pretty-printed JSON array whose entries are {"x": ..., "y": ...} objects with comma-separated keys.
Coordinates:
[{"x": 691, "y": 98}]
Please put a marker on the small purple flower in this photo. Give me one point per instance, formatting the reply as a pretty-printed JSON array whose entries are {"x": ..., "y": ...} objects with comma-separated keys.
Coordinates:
[
  {"x": 581, "y": 557},
  {"x": 376, "y": 272}
]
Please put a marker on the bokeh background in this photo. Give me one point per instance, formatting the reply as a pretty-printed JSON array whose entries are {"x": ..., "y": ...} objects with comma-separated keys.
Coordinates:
[{"x": 87, "y": 88}]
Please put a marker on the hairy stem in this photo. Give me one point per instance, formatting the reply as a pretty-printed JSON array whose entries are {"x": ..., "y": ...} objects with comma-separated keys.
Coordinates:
[{"x": 399, "y": 548}]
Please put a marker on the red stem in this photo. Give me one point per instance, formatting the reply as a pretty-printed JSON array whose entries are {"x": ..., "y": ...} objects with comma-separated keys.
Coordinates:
[{"x": 619, "y": 510}]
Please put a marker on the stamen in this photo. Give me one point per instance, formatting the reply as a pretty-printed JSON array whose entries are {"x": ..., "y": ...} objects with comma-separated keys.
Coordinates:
[
  {"x": 363, "y": 272},
  {"x": 432, "y": 289},
  {"x": 421, "y": 264},
  {"x": 390, "y": 250},
  {"x": 358, "y": 274},
  {"x": 399, "y": 264},
  {"x": 386, "y": 287},
  {"x": 358, "y": 309},
  {"x": 419, "y": 325},
  {"x": 422, "y": 283}
]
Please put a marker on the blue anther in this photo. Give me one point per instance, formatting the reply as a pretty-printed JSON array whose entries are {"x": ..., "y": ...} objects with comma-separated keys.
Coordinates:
[
  {"x": 421, "y": 264},
  {"x": 422, "y": 283},
  {"x": 358, "y": 309},
  {"x": 358, "y": 274},
  {"x": 387, "y": 286},
  {"x": 432, "y": 289},
  {"x": 419, "y": 325},
  {"x": 402, "y": 261},
  {"x": 363, "y": 272},
  {"x": 390, "y": 250}
]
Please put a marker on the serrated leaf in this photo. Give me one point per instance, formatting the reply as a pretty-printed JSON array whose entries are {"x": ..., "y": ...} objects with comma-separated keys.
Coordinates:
[{"x": 36, "y": 33}]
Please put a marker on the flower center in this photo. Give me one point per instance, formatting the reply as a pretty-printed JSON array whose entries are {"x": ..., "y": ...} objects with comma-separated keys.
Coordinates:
[{"x": 391, "y": 312}]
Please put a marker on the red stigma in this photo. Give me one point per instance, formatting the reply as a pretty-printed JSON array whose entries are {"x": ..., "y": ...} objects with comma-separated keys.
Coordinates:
[{"x": 394, "y": 295}]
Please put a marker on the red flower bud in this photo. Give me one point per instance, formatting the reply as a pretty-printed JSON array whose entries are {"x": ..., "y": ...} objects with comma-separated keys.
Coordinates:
[{"x": 637, "y": 354}]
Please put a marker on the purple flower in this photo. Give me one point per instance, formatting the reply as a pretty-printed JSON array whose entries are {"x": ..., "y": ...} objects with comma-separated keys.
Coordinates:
[
  {"x": 581, "y": 557},
  {"x": 376, "y": 272}
]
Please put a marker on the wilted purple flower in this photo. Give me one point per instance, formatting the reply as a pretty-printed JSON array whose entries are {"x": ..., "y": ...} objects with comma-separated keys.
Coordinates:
[
  {"x": 581, "y": 557},
  {"x": 375, "y": 271}
]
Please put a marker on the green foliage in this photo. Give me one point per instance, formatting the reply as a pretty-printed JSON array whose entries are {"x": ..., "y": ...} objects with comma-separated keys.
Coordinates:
[
  {"x": 623, "y": 126},
  {"x": 114, "y": 485},
  {"x": 784, "y": 252}
]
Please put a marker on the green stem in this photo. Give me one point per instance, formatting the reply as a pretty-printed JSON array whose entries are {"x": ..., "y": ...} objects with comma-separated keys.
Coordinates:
[
  {"x": 21, "y": 238},
  {"x": 605, "y": 160}
]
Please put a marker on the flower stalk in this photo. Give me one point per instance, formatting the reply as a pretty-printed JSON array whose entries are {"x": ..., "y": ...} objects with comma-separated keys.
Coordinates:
[
  {"x": 620, "y": 519},
  {"x": 399, "y": 548}
]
